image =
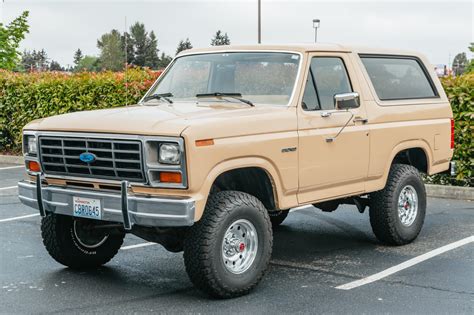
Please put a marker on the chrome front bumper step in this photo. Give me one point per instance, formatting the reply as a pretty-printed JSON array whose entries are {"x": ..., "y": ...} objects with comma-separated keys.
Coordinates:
[{"x": 116, "y": 207}]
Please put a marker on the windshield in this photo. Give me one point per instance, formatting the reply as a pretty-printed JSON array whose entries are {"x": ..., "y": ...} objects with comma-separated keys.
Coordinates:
[{"x": 260, "y": 77}]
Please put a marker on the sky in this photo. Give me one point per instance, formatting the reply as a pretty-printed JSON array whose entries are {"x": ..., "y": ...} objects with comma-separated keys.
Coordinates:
[{"x": 439, "y": 29}]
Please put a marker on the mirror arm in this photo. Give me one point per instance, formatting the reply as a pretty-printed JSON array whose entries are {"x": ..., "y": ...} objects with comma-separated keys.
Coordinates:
[{"x": 331, "y": 139}]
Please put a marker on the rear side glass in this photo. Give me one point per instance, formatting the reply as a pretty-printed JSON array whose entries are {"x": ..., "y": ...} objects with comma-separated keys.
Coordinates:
[{"x": 398, "y": 78}]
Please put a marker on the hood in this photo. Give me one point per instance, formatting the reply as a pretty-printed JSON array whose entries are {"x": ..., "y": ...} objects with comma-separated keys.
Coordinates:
[{"x": 163, "y": 119}]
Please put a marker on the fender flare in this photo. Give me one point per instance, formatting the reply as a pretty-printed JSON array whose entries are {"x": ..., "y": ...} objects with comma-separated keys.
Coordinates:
[
  {"x": 409, "y": 144},
  {"x": 238, "y": 163}
]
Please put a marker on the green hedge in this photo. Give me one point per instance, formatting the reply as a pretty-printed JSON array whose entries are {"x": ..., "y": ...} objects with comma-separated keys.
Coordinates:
[
  {"x": 28, "y": 96},
  {"x": 24, "y": 97},
  {"x": 460, "y": 91}
]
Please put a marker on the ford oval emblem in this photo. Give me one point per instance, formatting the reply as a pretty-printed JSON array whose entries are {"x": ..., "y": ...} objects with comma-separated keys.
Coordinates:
[{"x": 87, "y": 157}]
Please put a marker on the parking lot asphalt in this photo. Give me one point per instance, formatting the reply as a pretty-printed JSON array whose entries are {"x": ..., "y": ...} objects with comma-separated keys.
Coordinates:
[{"x": 314, "y": 252}]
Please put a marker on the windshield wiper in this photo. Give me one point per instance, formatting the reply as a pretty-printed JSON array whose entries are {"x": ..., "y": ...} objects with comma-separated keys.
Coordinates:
[
  {"x": 236, "y": 96},
  {"x": 162, "y": 96}
]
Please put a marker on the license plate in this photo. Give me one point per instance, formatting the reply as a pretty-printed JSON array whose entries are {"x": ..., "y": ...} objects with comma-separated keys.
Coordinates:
[{"x": 87, "y": 208}]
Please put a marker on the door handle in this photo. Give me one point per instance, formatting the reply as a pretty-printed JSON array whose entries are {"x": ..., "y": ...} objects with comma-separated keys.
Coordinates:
[
  {"x": 361, "y": 119},
  {"x": 325, "y": 114}
]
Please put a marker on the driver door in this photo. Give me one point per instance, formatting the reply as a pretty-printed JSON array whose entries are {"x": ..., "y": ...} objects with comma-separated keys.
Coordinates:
[{"x": 338, "y": 168}]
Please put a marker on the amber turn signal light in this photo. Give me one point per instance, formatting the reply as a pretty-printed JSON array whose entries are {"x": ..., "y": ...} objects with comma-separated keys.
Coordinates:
[
  {"x": 205, "y": 142},
  {"x": 33, "y": 166},
  {"x": 170, "y": 177}
]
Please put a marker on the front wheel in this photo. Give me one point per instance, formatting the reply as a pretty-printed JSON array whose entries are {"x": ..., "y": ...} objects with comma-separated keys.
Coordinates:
[
  {"x": 76, "y": 244},
  {"x": 397, "y": 212},
  {"x": 228, "y": 251}
]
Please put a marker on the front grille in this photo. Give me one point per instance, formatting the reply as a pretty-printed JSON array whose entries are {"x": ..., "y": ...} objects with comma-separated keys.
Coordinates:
[{"x": 115, "y": 159}]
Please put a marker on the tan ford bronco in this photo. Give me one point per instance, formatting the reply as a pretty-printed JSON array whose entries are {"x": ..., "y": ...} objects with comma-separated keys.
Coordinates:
[{"x": 226, "y": 141}]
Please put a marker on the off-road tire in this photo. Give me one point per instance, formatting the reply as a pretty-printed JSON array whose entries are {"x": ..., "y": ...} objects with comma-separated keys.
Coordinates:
[
  {"x": 203, "y": 245},
  {"x": 277, "y": 217},
  {"x": 63, "y": 245},
  {"x": 384, "y": 217}
]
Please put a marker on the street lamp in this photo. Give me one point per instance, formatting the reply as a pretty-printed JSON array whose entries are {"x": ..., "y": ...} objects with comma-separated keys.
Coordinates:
[
  {"x": 259, "y": 28},
  {"x": 316, "y": 23}
]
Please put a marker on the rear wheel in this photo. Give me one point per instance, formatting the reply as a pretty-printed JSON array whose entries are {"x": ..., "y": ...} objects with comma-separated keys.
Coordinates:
[
  {"x": 228, "y": 251},
  {"x": 397, "y": 212},
  {"x": 76, "y": 244}
]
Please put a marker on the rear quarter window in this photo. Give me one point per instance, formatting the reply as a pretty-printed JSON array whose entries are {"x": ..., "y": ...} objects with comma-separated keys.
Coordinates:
[{"x": 398, "y": 78}]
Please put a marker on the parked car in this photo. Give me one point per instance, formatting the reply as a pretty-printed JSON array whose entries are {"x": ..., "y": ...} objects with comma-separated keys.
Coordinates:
[{"x": 226, "y": 141}]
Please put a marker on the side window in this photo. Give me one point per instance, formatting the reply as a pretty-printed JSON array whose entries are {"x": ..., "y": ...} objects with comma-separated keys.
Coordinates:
[
  {"x": 396, "y": 78},
  {"x": 327, "y": 77}
]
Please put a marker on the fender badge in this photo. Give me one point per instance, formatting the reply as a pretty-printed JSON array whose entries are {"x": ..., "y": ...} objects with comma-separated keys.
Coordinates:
[{"x": 285, "y": 150}]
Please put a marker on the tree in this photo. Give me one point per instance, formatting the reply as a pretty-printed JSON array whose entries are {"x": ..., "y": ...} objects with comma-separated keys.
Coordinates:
[
  {"x": 35, "y": 60},
  {"x": 10, "y": 37},
  {"x": 151, "y": 52},
  {"x": 220, "y": 39},
  {"x": 78, "y": 56},
  {"x": 41, "y": 60},
  {"x": 139, "y": 37},
  {"x": 164, "y": 61},
  {"x": 127, "y": 45},
  {"x": 88, "y": 63},
  {"x": 142, "y": 46},
  {"x": 459, "y": 63},
  {"x": 28, "y": 62},
  {"x": 112, "y": 56},
  {"x": 55, "y": 66},
  {"x": 470, "y": 67},
  {"x": 184, "y": 45}
]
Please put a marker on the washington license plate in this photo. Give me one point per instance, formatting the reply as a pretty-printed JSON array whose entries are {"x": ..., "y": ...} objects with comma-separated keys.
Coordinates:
[{"x": 87, "y": 208}]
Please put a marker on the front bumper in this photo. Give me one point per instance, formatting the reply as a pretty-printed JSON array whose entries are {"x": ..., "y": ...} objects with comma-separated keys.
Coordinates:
[{"x": 116, "y": 207}]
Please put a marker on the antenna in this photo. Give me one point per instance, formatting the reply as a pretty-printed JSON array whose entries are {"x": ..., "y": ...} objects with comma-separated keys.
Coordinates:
[{"x": 126, "y": 60}]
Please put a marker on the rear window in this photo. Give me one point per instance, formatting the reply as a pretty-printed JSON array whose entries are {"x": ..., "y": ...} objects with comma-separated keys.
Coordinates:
[{"x": 397, "y": 78}]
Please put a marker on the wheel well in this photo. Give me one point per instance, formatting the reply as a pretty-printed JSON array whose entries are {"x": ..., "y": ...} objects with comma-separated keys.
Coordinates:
[
  {"x": 252, "y": 180},
  {"x": 415, "y": 157}
]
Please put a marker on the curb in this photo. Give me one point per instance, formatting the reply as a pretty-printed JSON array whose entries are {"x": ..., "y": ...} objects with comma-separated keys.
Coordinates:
[
  {"x": 12, "y": 159},
  {"x": 437, "y": 191},
  {"x": 450, "y": 192}
]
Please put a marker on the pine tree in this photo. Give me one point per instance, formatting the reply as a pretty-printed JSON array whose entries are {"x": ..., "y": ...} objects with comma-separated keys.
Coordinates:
[
  {"x": 184, "y": 45},
  {"x": 55, "y": 66},
  {"x": 164, "y": 60},
  {"x": 220, "y": 39},
  {"x": 151, "y": 51},
  {"x": 28, "y": 61},
  {"x": 127, "y": 45},
  {"x": 459, "y": 63},
  {"x": 36, "y": 60},
  {"x": 78, "y": 56}
]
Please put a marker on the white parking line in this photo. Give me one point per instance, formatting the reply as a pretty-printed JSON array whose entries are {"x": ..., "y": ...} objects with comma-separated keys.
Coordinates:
[
  {"x": 10, "y": 167},
  {"x": 406, "y": 264},
  {"x": 6, "y": 188},
  {"x": 137, "y": 245},
  {"x": 19, "y": 218}
]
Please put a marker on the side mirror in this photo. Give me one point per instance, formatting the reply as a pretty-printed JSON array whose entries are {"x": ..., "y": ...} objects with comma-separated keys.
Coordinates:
[{"x": 346, "y": 100}]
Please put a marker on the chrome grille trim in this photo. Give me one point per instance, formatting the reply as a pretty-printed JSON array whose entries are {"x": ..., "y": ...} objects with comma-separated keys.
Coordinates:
[{"x": 117, "y": 159}]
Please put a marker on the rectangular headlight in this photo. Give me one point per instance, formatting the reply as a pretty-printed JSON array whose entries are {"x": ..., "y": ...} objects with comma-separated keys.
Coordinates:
[
  {"x": 30, "y": 145},
  {"x": 169, "y": 153}
]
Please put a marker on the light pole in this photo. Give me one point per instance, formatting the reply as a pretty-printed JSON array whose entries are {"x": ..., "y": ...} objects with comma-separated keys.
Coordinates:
[
  {"x": 259, "y": 21},
  {"x": 316, "y": 26}
]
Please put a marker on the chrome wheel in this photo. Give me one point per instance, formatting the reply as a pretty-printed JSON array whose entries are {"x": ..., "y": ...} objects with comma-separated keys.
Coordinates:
[
  {"x": 88, "y": 238},
  {"x": 239, "y": 246},
  {"x": 407, "y": 205}
]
